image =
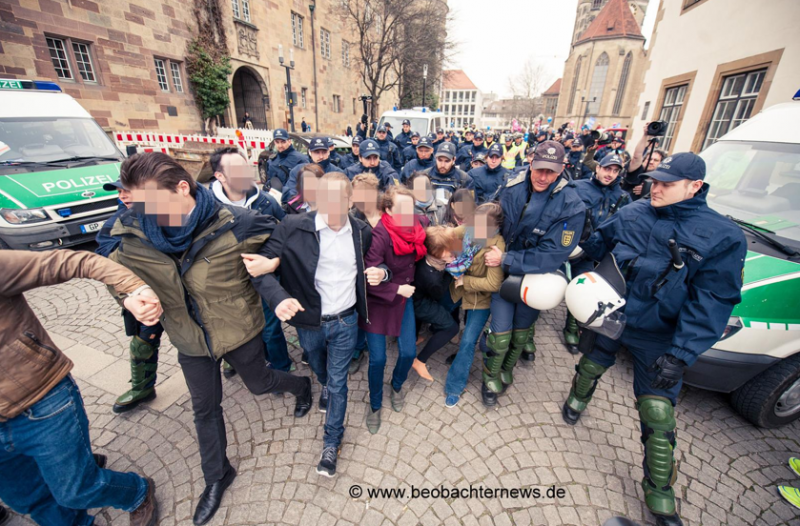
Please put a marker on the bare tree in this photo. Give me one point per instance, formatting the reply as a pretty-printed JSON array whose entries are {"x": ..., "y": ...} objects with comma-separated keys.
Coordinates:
[{"x": 527, "y": 86}]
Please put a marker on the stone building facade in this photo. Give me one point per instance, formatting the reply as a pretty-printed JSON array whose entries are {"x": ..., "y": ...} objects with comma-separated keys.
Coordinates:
[{"x": 125, "y": 61}]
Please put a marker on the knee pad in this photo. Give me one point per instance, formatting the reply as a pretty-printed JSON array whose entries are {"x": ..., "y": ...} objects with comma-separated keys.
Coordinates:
[
  {"x": 142, "y": 349},
  {"x": 498, "y": 343}
]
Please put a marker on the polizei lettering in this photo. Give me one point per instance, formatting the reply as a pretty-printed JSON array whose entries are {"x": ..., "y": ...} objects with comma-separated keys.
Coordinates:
[{"x": 88, "y": 181}]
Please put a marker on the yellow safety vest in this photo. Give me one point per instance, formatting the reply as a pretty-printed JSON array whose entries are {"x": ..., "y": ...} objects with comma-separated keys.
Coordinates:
[{"x": 510, "y": 155}]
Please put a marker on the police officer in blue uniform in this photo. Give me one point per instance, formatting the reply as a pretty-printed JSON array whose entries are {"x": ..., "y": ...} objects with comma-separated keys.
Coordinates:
[
  {"x": 370, "y": 161},
  {"x": 678, "y": 301},
  {"x": 352, "y": 157},
  {"x": 403, "y": 139},
  {"x": 389, "y": 150},
  {"x": 423, "y": 160},
  {"x": 334, "y": 155},
  {"x": 603, "y": 197},
  {"x": 468, "y": 152},
  {"x": 543, "y": 222},
  {"x": 490, "y": 178},
  {"x": 319, "y": 153},
  {"x": 285, "y": 160},
  {"x": 410, "y": 151},
  {"x": 445, "y": 177}
]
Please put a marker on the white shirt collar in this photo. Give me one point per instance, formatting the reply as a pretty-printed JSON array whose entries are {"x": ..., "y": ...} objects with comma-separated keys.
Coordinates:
[{"x": 321, "y": 224}]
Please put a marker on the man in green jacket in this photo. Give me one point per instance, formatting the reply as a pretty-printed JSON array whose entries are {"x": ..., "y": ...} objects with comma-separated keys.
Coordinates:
[{"x": 188, "y": 247}]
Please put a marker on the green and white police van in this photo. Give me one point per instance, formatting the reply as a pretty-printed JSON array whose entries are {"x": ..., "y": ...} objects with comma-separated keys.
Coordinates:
[
  {"x": 754, "y": 178},
  {"x": 54, "y": 160}
]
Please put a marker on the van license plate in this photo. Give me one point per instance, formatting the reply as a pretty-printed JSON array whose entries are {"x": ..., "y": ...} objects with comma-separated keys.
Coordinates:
[{"x": 91, "y": 227}]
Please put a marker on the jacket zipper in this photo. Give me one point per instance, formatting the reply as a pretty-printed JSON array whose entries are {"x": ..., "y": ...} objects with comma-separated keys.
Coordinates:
[{"x": 38, "y": 342}]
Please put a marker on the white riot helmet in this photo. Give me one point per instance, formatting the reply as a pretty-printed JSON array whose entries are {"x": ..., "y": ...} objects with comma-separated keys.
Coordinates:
[
  {"x": 576, "y": 254},
  {"x": 537, "y": 291},
  {"x": 595, "y": 299}
]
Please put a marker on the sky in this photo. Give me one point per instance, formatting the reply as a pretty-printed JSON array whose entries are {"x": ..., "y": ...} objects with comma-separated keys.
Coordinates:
[{"x": 493, "y": 37}]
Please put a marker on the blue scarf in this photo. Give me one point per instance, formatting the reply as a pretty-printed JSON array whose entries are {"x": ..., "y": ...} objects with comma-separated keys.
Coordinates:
[{"x": 177, "y": 239}]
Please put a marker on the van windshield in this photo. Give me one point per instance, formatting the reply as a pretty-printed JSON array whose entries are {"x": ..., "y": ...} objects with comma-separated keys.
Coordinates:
[
  {"x": 30, "y": 141},
  {"x": 418, "y": 125},
  {"x": 757, "y": 182}
]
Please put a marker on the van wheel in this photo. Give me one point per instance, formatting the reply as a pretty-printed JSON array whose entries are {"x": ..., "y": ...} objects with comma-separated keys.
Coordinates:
[{"x": 771, "y": 399}]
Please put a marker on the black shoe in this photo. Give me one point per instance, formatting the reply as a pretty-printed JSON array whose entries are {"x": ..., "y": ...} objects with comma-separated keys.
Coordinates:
[
  {"x": 211, "y": 498},
  {"x": 5, "y": 516},
  {"x": 489, "y": 398},
  {"x": 569, "y": 415},
  {"x": 323, "y": 399},
  {"x": 228, "y": 371},
  {"x": 327, "y": 462},
  {"x": 668, "y": 520},
  {"x": 303, "y": 405},
  {"x": 573, "y": 349},
  {"x": 304, "y": 358},
  {"x": 450, "y": 359},
  {"x": 100, "y": 460},
  {"x": 528, "y": 356}
]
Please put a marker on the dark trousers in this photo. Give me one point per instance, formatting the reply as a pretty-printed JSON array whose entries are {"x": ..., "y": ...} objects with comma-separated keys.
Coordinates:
[{"x": 204, "y": 379}]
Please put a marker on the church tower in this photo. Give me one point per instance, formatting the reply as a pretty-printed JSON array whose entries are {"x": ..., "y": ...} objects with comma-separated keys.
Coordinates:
[{"x": 589, "y": 9}]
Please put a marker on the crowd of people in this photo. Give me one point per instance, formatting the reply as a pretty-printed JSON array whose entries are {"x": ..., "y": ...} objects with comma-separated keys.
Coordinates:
[{"x": 422, "y": 240}]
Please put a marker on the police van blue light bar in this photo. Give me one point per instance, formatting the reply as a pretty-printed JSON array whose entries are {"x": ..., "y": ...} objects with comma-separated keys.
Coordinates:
[{"x": 41, "y": 85}]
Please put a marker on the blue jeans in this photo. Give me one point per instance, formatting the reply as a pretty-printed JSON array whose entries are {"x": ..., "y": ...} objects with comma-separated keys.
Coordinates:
[
  {"x": 47, "y": 469},
  {"x": 275, "y": 349},
  {"x": 361, "y": 343},
  {"x": 407, "y": 345},
  {"x": 507, "y": 316},
  {"x": 458, "y": 374},
  {"x": 330, "y": 351}
]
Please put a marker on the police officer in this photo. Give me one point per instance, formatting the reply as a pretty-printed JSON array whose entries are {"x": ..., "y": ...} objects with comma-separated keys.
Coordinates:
[
  {"x": 422, "y": 160},
  {"x": 678, "y": 304},
  {"x": 352, "y": 157},
  {"x": 445, "y": 176},
  {"x": 438, "y": 138},
  {"x": 389, "y": 151},
  {"x": 490, "y": 139},
  {"x": 319, "y": 153},
  {"x": 334, "y": 155},
  {"x": 544, "y": 218},
  {"x": 467, "y": 153},
  {"x": 489, "y": 179},
  {"x": 410, "y": 152},
  {"x": 403, "y": 139},
  {"x": 513, "y": 151},
  {"x": 370, "y": 161},
  {"x": 603, "y": 197},
  {"x": 285, "y": 160}
]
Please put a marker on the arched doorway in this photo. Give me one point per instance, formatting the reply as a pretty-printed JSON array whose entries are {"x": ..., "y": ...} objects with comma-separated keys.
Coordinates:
[{"x": 250, "y": 95}]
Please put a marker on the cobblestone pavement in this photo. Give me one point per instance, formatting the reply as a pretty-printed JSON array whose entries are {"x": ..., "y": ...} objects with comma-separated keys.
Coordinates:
[{"x": 728, "y": 469}]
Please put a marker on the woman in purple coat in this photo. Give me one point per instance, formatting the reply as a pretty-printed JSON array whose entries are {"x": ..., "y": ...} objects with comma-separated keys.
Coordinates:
[{"x": 398, "y": 241}]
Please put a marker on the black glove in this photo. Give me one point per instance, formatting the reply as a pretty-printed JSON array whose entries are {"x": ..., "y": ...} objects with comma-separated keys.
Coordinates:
[{"x": 670, "y": 371}]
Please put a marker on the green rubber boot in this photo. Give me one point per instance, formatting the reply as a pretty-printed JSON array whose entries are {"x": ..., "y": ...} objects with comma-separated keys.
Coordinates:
[
  {"x": 498, "y": 343},
  {"x": 144, "y": 364},
  {"x": 660, "y": 471},
  {"x": 529, "y": 351},
  {"x": 571, "y": 335},
  {"x": 519, "y": 339},
  {"x": 587, "y": 374}
]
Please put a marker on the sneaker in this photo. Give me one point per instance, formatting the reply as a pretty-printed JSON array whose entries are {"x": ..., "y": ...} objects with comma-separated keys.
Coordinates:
[
  {"x": 794, "y": 463},
  {"x": 373, "y": 420},
  {"x": 323, "y": 399},
  {"x": 327, "y": 462},
  {"x": 398, "y": 400},
  {"x": 790, "y": 494},
  {"x": 227, "y": 370},
  {"x": 451, "y": 400}
]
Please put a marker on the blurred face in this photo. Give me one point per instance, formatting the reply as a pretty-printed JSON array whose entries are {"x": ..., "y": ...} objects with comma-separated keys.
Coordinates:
[
  {"x": 608, "y": 174},
  {"x": 422, "y": 189},
  {"x": 542, "y": 178},
  {"x": 170, "y": 207},
  {"x": 518, "y": 141},
  {"x": 615, "y": 145},
  {"x": 655, "y": 160},
  {"x": 468, "y": 136},
  {"x": 447, "y": 256},
  {"x": 310, "y": 189},
  {"x": 665, "y": 194},
  {"x": 476, "y": 141},
  {"x": 370, "y": 162},
  {"x": 444, "y": 164},
  {"x": 529, "y": 157},
  {"x": 477, "y": 164},
  {"x": 126, "y": 197},
  {"x": 282, "y": 145},
  {"x": 402, "y": 210},
  {"x": 365, "y": 197},
  {"x": 406, "y": 128},
  {"x": 576, "y": 146},
  {"x": 439, "y": 135},
  {"x": 424, "y": 152},
  {"x": 485, "y": 227},
  {"x": 333, "y": 202},
  {"x": 464, "y": 210},
  {"x": 381, "y": 135},
  {"x": 235, "y": 174},
  {"x": 493, "y": 161},
  {"x": 355, "y": 150},
  {"x": 319, "y": 155},
  {"x": 415, "y": 140}
]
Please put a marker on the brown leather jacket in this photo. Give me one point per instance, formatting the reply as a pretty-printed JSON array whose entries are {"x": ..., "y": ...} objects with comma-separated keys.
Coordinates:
[{"x": 30, "y": 363}]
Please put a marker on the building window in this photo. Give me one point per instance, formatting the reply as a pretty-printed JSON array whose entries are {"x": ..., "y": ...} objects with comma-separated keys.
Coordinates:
[
  {"x": 354, "y": 105},
  {"x": 161, "y": 74},
  {"x": 345, "y": 53},
  {"x": 671, "y": 111},
  {"x": 646, "y": 110},
  {"x": 575, "y": 86},
  {"x": 58, "y": 55},
  {"x": 597, "y": 4},
  {"x": 83, "y": 60},
  {"x": 235, "y": 6},
  {"x": 297, "y": 30},
  {"x": 176, "y": 76},
  {"x": 337, "y": 104},
  {"x": 623, "y": 80},
  {"x": 303, "y": 95},
  {"x": 598, "y": 84},
  {"x": 325, "y": 43},
  {"x": 735, "y": 103}
]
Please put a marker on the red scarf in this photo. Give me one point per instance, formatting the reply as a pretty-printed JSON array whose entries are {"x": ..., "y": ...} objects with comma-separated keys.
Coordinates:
[{"x": 406, "y": 239}]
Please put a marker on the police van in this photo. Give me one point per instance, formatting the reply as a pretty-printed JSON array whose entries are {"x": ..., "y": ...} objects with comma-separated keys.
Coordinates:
[
  {"x": 754, "y": 178},
  {"x": 54, "y": 160},
  {"x": 423, "y": 121}
]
